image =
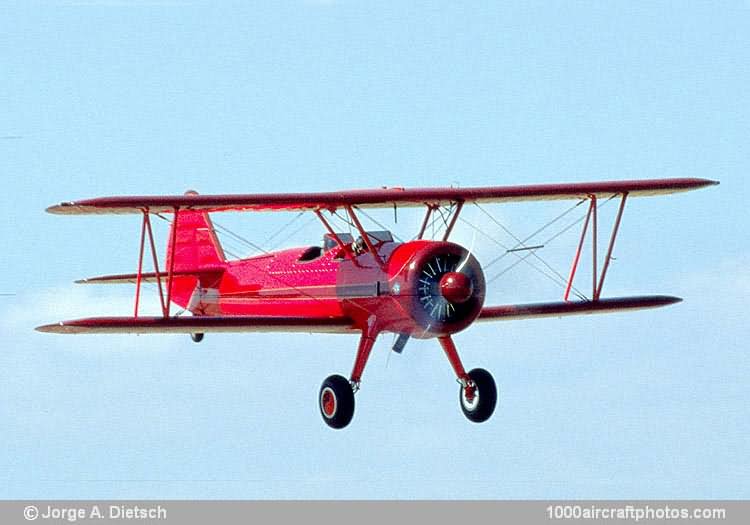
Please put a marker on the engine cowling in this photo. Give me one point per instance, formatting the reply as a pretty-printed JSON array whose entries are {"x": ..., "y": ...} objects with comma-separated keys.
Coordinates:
[{"x": 440, "y": 285}]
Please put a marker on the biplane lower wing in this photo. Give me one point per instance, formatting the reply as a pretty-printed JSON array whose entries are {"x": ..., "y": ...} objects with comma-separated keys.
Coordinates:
[
  {"x": 564, "y": 308},
  {"x": 200, "y": 324},
  {"x": 243, "y": 323}
]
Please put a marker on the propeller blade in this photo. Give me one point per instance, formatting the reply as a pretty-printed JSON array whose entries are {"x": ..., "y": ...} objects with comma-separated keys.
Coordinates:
[{"x": 468, "y": 255}]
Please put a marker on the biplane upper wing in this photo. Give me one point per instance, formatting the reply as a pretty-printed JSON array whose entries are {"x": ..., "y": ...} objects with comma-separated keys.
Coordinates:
[
  {"x": 384, "y": 197},
  {"x": 200, "y": 324},
  {"x": 565, "y": 308}
]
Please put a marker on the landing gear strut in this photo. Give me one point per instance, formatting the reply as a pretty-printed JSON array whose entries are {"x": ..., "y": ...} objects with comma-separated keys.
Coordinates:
[
  {"x": 478, "y": 393},
  {"x": 336, "y": 396}
]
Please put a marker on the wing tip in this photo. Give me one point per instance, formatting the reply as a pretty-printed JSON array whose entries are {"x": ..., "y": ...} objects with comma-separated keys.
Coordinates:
[
  {"x": 669, "y": 300},
  {"x": 55, "y": 328},
  {"x": 63, "y": 208}
]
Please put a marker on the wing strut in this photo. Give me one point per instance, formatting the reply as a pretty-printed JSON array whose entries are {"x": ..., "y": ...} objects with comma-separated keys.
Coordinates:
[
  {"x": 146, "y": 230},
  {"x": 591, "y": 217},
  {"x": 452, "y": 214},
  {"x": 430, "y": 207},
  {"x": 139, "y": 275},
  {"x": 450, "y": 226},
  {"x": 365, "y": 236},
  {"x": 327, "y": 225}
]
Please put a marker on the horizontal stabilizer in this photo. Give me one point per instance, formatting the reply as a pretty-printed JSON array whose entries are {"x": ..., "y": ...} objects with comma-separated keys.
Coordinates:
[
  {"x": 151, "y": 277},
  {"x": 560, "y": 309},
  {"x": 199, "y": 324}
]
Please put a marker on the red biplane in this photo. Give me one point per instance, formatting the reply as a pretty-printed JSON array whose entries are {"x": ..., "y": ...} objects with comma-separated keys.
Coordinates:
[{"x": 369, "y": 285}]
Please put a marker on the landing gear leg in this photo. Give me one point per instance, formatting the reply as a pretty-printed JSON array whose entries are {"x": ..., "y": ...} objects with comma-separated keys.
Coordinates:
[
  {"x": 478, "y": 393},
  {"x": 363, "y": 353},
  {"x": 336, "y": 397}
]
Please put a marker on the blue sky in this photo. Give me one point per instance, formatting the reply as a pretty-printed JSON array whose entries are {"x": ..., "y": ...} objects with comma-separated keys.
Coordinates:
[{"x": 113, "y": 97}]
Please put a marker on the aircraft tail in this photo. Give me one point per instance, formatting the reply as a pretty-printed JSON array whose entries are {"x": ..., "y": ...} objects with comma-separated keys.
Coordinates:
[
  {"x": 199, "y": 262},
  {"x": 196, "y": 245},
  {"x": 199, "y": 265}
]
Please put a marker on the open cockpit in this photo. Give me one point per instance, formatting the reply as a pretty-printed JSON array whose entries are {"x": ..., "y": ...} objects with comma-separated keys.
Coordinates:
[{"x": 357, "y": 245}]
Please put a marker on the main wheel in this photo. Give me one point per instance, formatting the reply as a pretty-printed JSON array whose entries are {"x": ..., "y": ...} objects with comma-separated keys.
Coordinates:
[
  {"x": 197, "y": 338},
  {"x": 336, "y": 401},
  {"x": 479, "y": 406}
]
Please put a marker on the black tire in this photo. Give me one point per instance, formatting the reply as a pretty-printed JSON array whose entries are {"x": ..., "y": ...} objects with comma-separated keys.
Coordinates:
[
  {"x": 197, "y": 338},
  {"x": 336, "y": 401},
  {"x": 486, "y": 396}
]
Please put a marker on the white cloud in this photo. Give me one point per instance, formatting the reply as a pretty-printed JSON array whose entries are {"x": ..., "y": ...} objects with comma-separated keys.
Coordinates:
[
  {"x": 727, "y": 279},
  {"x": 27, "y": 310},
  {"x": 71, "y": 301}
]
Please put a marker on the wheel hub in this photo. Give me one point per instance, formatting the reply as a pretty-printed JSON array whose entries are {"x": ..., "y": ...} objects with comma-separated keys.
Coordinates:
[
  {"x": 470, "y": 395},
  {"x": 328, "y": 403}
]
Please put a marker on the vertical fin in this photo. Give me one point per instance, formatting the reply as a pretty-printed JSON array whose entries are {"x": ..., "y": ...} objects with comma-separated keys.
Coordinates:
[
  {"x": 196, "y": 248},
  {"x": 196, "y": 245}
]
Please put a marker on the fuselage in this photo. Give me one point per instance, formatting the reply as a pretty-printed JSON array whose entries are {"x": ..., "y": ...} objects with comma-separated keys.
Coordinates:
[{"x": 398, "y": 286}]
